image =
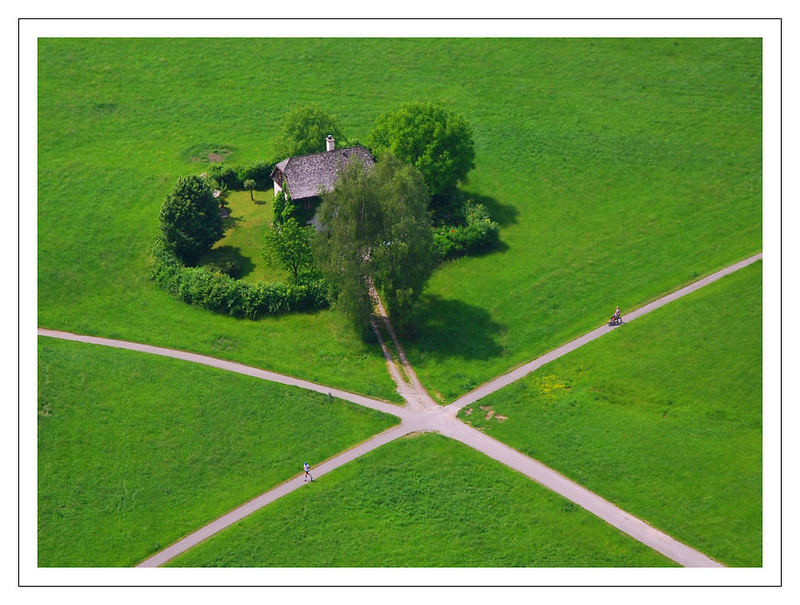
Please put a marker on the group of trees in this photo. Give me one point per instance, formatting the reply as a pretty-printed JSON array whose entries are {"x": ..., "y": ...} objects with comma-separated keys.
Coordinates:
[
  {"x": 427, "y": 136},
  {"x": 377, "y": 226},
  {"x": 435, "y": 141}
]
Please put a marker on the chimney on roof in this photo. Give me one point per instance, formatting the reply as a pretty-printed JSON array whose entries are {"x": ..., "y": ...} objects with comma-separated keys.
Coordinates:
[{"x": 329, "y": 143}]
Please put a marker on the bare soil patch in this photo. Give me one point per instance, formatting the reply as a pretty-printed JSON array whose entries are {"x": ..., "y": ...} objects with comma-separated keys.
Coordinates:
[{"x": 208, "y": 153}]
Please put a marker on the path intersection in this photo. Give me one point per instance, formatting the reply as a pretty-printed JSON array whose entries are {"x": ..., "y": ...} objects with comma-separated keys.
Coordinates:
[{"x": 422, "y": 414}]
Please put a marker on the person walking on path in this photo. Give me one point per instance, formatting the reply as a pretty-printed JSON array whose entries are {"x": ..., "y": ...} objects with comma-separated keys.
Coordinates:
[{"x": 307, "y": 471}]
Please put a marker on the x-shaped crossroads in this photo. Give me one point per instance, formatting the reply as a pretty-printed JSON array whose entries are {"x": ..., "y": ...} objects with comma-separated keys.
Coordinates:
[{"x": 422, "y": 414}]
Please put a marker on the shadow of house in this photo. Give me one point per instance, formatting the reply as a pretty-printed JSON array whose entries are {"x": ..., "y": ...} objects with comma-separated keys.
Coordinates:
[{"x": 305, "y": 177}]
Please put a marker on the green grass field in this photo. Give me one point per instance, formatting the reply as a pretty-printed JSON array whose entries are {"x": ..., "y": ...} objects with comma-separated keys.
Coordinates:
[
  {"x": 619, "y": 169},
  {"x": 424, "y": 501},
  {"x": 662, "y": 417},
  {"x": 136, "y": 451}
]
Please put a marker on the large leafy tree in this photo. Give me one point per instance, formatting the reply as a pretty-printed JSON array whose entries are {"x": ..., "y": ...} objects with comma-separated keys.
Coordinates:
[
  {"x": 376, "y": 230},
  {"x": 304, "y": 130},
  {"x": 190, "y": 218},
  {"x": 288, "y": 244},
  {"x": 436, "y": 141}
]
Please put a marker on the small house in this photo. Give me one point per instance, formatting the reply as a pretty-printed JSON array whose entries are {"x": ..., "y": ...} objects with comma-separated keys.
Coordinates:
[{"x": 306, "y": 176}]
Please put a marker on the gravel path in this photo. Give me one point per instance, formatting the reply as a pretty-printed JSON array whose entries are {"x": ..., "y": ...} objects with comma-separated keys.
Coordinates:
[
  {"x": 608, "y": 512},
  {"x": 522, "y": 371},
  {"x": 231, "y": 366},
  {"x": 422, "y": 414},
  {"x": 261, "y": 501}
]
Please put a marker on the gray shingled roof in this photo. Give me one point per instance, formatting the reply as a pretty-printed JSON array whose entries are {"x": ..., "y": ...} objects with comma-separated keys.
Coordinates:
[{"x": 307, "y": 175}]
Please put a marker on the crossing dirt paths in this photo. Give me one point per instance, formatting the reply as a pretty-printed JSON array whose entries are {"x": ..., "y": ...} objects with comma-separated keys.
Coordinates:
[{"x": 422, "y": 414}]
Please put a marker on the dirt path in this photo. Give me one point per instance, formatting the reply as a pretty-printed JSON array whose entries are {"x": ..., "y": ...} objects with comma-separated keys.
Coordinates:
[
  {"x": 522, "y": 371},
  {"x": 261, "y": 501},
  {"x": 404, "y": 376},
  {"x": 422, "y": 414},
  {"x": 231, "y": 366},
  {"x": 588, "y": 500}
]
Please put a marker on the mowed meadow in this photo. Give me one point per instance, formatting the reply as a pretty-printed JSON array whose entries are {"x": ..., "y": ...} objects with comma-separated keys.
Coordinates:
[{"x": 619, "y": 169}]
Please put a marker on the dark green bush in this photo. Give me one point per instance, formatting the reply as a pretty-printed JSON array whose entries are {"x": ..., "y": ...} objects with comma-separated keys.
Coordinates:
[
  {"x": 226, "y": 175},
  {"x": 227, "y": 266},
  {"x": 233, "y": 177},
  {"x": 190, "y": 219},
  {"x": 257, "y": 171},
  {"x": 479, "y": 233},
  {"x": 284, "y": 208}
]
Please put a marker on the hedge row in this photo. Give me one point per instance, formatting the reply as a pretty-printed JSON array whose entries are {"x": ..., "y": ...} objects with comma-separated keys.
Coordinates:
[
  {"x": 223, "y": 294},
  {"x": 479, "y": 233},
  {"x": 233, "y": 177}
]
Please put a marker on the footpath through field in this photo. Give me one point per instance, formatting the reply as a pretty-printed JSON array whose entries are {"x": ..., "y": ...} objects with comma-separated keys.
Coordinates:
[
  {"x": 422, "y": 414},
  {"x": 232, "y": 366},
  {"x": 522, "y": 371}
]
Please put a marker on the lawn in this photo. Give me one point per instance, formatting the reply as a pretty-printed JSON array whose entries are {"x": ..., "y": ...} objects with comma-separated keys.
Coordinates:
[
  {"x": 619, "y": 169},
  {"x": 422, "y": 501},
  {"x": 136, "y": 451},
  {"x": 242, "y": 244},
  {"x": 662, "y": 417}
]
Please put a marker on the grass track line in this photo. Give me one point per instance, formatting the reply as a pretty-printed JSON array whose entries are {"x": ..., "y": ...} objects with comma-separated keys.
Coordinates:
[
  {"x": 522, "y": 371},
  {"x": 231, "y": 366},
  {"x": 270, "y": 496},
  {"x": 404, "y": 376}
]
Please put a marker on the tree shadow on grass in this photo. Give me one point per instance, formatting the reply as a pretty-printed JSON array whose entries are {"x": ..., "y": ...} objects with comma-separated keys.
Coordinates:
[
  {"x": 503, "y": 214},
  {"x": 257, "y": 198},
  {"x": 229, "y": 221},
  {"x": 229, "y": 256},
  {"x": 452, "y": 328}
]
